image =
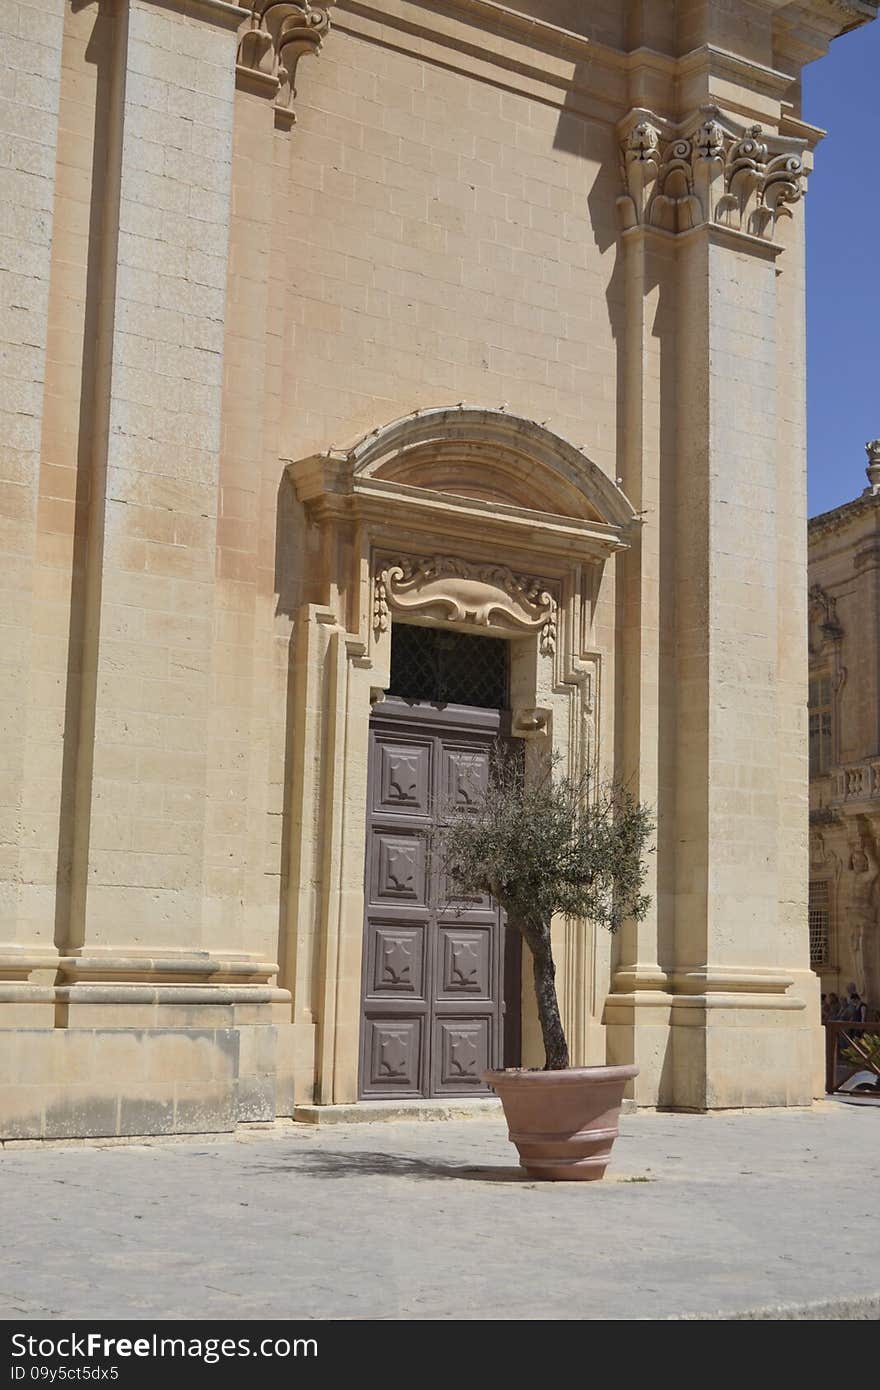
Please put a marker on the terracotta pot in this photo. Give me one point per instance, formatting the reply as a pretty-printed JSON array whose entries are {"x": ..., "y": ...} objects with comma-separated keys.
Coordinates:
[{"x": 562, "y": 1122}]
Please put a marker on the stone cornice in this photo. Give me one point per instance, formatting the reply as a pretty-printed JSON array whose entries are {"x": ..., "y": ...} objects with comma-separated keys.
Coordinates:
[
  {"x": 132, "y": 967},
  {"x": 214, "y": 11},
  {"x": 713, "y": 231},
  {"x": 803, "y": 29},
  {"x": 218, "y": 11},
  {"x": 429, "y": 513},
  {"x": 839, "y": 517},
  {"x": 541, "y": 34},
  {"x": 550, "y": 53},
  {"x": 537, "y": 34},
  {"x": 856, "y": 12}
]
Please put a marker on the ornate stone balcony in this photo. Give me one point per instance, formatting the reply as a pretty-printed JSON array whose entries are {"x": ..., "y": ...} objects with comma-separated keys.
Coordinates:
[{"x": 856, "y": 782}]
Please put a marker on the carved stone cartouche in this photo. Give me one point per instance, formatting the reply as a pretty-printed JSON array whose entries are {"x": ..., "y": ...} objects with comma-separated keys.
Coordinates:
[{"x": 445, "y": 587}]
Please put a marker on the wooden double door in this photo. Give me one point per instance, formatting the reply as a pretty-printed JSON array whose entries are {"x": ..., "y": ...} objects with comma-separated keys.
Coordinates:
[{"x": 441, "y": 981}]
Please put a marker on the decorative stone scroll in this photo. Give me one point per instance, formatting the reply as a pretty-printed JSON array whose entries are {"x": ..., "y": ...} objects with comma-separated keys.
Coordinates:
[
  {"x": 444, "y": 587},
  {"x": 710, "y": 174},
  {"x": 281, "y": 32},
  {"x": 872, "y": 449}
]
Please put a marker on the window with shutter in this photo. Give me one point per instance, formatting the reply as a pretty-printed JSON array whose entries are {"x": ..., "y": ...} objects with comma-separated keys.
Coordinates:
[{"x": 820, "y": 923}]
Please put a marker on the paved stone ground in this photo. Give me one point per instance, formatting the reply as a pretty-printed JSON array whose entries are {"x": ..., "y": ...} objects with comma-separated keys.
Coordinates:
[{"x": 699, "y": 1214}]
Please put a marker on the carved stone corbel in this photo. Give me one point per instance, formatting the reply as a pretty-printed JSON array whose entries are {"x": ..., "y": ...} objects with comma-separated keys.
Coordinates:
[
  {"x": 531, "y": 723},
  {"x": 281, "y": 32}
]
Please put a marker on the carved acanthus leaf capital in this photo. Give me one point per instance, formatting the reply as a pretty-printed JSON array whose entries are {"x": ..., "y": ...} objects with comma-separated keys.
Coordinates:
[
  {"x": 446, "y": 588},
  {"x": 707, "y": 171},
  {"x": 281, "y": 32}
]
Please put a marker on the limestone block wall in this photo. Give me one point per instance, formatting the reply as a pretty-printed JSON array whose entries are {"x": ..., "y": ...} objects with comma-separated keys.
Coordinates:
[
  {"x": 153, "y": 514},
  {"x": 234, "y": 247},
  {"x": 32, "y": 48},
  {"x": 843, "y": 564},
  {"x": 844, "y": 605},
  {"x": 110, "y": 878}
]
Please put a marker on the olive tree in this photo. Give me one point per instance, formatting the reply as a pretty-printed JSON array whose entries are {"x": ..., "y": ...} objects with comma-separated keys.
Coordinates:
[{"x": 543, "y": 845}]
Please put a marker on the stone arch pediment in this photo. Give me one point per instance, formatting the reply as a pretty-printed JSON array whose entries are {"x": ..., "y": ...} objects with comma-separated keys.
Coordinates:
[
  {"x": 486, "y": 461},
  {"x": 491, "y": 456}
]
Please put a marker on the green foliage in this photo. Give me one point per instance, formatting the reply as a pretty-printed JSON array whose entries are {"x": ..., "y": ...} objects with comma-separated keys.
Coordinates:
[
  {"x": 544, "y": 844},
  {"x": 863, "y": 1051}
]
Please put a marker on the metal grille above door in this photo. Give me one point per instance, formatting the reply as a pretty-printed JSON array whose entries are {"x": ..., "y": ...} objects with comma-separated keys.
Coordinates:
[{"x": 448, "y": 668}]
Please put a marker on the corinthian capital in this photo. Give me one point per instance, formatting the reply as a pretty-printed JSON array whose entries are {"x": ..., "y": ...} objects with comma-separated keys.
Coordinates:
[
  {"x": 281, "y": 32},
  {"x": 707, "y": 170}
]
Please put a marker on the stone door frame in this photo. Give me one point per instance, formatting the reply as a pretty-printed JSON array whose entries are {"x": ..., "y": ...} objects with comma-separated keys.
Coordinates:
[{"x": 540, "y": 579}]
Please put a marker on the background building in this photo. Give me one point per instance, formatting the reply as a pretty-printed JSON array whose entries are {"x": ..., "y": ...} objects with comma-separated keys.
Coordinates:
[
  {"x": 844, "y": 570},
  {"x": 344, "y": 341}
]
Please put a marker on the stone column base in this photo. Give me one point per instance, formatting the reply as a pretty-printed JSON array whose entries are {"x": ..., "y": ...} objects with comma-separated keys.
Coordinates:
[
  {"x": 139, "y": 1059},
  {"x": 718, "y": 1039}
]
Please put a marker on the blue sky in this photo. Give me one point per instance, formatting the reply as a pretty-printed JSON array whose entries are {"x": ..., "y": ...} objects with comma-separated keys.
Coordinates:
[{"x": 843, "y": 268}]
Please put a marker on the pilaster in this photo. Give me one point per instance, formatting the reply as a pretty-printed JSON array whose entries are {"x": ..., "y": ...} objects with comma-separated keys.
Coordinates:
[
  {"x": 719, "y": 961},
  {"x": 140, "y": 803},
  {"x": 645, "y": 616},
  {"x": 32, "y": 32}
]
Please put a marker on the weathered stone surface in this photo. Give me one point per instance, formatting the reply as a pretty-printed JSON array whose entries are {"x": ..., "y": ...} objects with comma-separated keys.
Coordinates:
[
  {"x": 844, "y": 714},
  {"x": 308, "y": 331},
  {"x": 314, "y": 1221}
]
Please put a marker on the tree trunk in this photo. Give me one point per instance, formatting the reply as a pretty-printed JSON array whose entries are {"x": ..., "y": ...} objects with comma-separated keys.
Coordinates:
[{"x": 555, "y": 1045}]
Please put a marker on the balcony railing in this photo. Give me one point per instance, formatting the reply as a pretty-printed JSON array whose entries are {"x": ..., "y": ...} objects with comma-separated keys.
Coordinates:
[{"x": 856, "y": 782}]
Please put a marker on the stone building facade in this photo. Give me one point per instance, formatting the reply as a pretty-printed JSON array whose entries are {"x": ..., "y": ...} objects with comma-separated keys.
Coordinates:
[
  {"x": 340, "y": 338},
  {"x": 844, "y": 694}
]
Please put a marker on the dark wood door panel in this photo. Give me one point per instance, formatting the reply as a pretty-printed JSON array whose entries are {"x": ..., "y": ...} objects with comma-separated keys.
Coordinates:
[
  {"x": 392, "y": 1056},
  {"x": 399, "y": 868},
  {"x": 464, "y": 967},
  {"x": 436, "y": 970},
  {"x": 403, "y": 776},
  {"x": 464, "y": 771},
  {"x": 395, "y": 960},
  {"x": 461, "y": 1052}
]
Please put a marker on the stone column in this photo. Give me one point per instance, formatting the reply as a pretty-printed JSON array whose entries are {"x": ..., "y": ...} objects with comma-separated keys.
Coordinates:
[
  {"x": 638, "y": 1009},
  {"x": 741, "y": 1032}
]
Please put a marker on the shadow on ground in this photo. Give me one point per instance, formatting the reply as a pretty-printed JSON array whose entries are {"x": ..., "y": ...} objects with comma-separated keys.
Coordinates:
[{"x": 328, "y": 1164}]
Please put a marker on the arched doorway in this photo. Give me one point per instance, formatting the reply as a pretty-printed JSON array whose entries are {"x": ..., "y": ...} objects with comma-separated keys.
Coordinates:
[{"x": 470, "y": 523}]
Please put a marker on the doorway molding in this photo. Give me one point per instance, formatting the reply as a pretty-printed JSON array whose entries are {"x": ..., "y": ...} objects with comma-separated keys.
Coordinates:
[{"x": 540, "y": 576}]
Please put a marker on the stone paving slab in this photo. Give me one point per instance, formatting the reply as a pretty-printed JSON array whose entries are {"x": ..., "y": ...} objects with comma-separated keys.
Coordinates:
[{"x": 700, "y": 1215}]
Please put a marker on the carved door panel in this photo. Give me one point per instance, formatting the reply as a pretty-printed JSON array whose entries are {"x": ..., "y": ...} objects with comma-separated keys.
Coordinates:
[{"x": 434, "y": 969}]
